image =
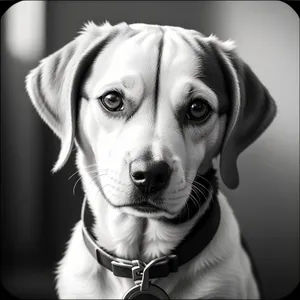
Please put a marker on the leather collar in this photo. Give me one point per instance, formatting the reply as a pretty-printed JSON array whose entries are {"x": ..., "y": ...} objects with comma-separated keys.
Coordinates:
[{"x": 198, "y": 238}]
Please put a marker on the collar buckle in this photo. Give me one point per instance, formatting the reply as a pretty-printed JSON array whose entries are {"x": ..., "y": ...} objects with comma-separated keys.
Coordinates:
[
  {"x": 140, "y": 269},
  {"x": 119, "y": 267}
]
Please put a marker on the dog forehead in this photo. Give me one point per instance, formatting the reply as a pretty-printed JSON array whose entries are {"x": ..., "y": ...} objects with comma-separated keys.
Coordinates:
[
  {"x": 152, "y": 49},
  {"x": 139, "y": 50},
  {"x": 183, "y": 53},
  {"x": 138, "y": 53},
  {"x": 149, "y": 47}
]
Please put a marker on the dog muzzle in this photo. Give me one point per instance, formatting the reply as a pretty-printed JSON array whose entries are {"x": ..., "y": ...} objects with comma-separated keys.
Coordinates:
[{"x": 142, "y": 273}]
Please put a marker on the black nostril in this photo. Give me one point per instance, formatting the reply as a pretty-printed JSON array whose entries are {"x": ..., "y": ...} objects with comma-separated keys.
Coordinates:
[
  {"x": 139, "y": 175},
  {"x": 150, "y": 176}
]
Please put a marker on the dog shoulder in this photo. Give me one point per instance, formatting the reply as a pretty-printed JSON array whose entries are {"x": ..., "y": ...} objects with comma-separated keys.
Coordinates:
[{"x": 76, "y": 268}]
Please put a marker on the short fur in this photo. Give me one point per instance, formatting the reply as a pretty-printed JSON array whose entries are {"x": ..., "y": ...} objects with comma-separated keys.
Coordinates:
[{"x": 158, "y": 69}]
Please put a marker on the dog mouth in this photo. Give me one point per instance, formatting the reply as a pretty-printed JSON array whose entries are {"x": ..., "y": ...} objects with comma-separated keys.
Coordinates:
[{"x": 140, "y": 205}]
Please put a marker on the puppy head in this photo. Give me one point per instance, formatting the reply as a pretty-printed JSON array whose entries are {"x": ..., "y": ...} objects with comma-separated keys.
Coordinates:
[{"x": 150, "y": 106}]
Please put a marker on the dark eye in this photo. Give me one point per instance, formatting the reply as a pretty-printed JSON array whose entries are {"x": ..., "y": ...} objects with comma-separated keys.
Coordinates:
[
  {"x": 199, "y": 110},
  {"x": 112, "y": 101}
]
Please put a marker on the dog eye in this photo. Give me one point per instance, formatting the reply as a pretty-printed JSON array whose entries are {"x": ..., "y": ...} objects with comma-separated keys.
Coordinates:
[
  {"x": 112, "y": 101},
  {"x": 199, "y": 110}
]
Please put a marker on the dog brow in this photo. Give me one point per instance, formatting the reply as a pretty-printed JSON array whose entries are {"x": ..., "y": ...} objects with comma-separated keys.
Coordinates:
[
  {"x": 208, "y": 67},
  {"x": 200, "y": 48},
  {"x": 212, "y": 73},
  {"x": 101, "y": 47},
  {"x": 156, "y": 88}
]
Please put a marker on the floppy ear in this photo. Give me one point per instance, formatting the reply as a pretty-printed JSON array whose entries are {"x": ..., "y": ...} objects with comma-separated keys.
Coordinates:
[
  {"x": 54, "y": 85},
  {"x": 252, "y": 109}
]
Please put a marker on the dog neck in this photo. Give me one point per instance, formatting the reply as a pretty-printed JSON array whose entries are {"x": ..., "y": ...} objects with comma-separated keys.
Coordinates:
[{"x": 133, "y": 237}]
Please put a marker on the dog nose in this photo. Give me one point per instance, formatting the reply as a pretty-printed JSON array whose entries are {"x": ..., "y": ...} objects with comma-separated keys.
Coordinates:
[{"x": 150, "y": 176}]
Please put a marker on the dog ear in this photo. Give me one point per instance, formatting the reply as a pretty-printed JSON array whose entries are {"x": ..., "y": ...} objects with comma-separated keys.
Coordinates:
[
  {"x": 54, "y": 85},
  {"x": 252, "y": 109}
]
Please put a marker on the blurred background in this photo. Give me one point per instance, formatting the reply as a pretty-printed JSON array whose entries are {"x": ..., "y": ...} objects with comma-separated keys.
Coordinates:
[{"x": 38, "y": 209}]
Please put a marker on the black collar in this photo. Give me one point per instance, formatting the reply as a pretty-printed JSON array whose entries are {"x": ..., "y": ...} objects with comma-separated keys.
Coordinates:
[{"x": 198, "y": 238}]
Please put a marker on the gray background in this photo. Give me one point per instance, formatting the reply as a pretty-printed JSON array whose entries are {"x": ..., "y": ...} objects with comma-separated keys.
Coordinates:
[{"x": 38, "y": 209}]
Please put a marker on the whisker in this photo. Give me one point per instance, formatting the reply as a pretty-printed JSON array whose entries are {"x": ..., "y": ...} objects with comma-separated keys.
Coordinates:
[
  {"x": 74, "y": 187},
  {"x": 87, "y": 167},
  {"x": 99, "y": 190},
  {"x": 201, "y": 177},
  {"x": 201, "y": 185},
  {"x": 73, "y": 175},
  {"x": 197, "y": 204},
  {"x": 205, "y": 198},
  {"x": 76, "y": 184},
  {"x": 93, "y": 178},
  {"x": 197, "y": 190}
]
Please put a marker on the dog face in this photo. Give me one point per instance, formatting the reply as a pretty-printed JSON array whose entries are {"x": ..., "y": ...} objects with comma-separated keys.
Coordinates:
[
  {"x": 150, "y": 120},
  {"x": 150, "y": 107}
]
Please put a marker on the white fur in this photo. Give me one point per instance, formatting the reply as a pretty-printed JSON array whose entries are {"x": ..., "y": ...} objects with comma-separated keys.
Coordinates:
[{"x": 222, "y": 269}]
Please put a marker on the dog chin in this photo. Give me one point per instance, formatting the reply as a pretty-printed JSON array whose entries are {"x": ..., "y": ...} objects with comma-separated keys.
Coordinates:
[{"x": 146, "y": 213}]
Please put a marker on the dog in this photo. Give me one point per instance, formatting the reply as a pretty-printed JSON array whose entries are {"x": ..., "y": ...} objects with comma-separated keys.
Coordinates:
[{"x": 150, "y": 108}]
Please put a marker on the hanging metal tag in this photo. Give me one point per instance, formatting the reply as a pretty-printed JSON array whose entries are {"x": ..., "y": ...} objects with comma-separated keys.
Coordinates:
[
  {"x": 153, "y": 293},
  {"x": 144, "y": 289}
]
